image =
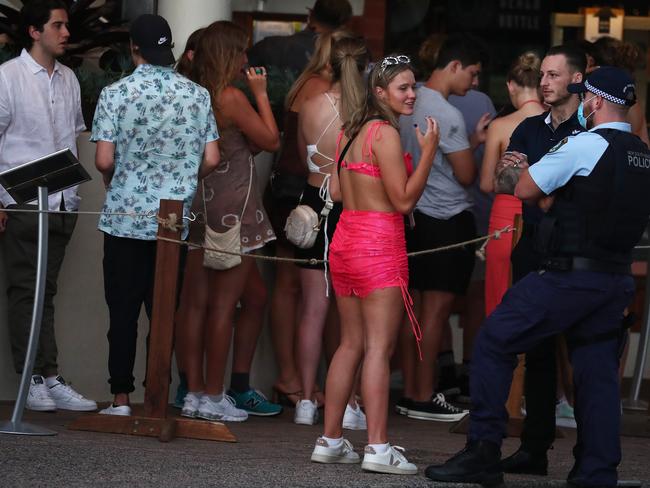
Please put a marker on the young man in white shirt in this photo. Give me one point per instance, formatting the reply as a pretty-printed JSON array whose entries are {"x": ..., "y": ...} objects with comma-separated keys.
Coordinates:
[{"x": 40, "y": 113}]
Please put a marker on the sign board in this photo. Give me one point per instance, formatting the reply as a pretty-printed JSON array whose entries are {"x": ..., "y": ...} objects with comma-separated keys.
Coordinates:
[
  {"x": 56, "y": 171},
  {"x": 603, "y": 21}
]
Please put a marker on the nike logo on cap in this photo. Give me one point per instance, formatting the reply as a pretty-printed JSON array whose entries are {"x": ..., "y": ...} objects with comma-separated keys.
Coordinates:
[{"x": 162, "y": 40}]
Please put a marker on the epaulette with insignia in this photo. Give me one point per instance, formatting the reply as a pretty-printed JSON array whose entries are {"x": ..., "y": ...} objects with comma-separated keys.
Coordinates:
[{"x": 558, "y": 145}]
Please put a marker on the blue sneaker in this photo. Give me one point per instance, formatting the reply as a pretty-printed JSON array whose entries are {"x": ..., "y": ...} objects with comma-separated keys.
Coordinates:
[
  {"x": 181, "y": 391},
  {"x": 255, "y": 403}
]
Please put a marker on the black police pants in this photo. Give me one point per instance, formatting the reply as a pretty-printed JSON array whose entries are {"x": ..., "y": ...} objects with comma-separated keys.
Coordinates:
[
  {"x": 542, "y": 305},
  {"x": 540, "y": 375}
]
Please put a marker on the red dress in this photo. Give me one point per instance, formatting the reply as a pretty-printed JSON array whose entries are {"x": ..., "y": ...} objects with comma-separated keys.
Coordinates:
[{"x": 497, "y": 252}]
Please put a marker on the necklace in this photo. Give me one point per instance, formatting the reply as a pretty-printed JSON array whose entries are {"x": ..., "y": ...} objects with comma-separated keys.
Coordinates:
[{"x": 531, "y": 101}]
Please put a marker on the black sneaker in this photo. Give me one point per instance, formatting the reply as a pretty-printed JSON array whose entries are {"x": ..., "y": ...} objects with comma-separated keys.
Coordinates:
[
  {"x": 464, "y": 397},
  {"x": 403, "y": 405},
  {"x": 436, "y": 409},
  {"x": 448, "y": 383}
]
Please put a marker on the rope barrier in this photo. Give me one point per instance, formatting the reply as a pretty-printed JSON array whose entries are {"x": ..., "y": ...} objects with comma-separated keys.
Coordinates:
[
  {"x": 494, "y": 235},
  {"x": 172, "y": 223},
  {"x": 79, "y": 212}
]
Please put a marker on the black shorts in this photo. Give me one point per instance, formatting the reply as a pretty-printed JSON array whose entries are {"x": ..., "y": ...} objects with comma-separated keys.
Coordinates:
[
  {"x": 447, "y": 270},
  {"x": 310, "y": 197}
]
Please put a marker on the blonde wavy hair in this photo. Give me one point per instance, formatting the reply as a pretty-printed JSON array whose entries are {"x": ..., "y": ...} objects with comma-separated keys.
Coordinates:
[
  {"x": 317, "y": 63},
  {"x": 349, "y": 59}
]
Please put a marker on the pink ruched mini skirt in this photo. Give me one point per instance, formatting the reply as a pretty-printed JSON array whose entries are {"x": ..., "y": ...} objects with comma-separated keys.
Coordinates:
[{"x": 368, "y": 252}]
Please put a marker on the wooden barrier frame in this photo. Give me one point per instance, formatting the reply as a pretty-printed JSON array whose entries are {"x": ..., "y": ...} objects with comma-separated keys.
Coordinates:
[{"x": 155, "y": 422}]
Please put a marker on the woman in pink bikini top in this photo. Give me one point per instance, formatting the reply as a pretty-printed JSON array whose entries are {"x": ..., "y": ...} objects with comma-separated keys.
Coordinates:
[
  {"x": 367, "y": 168},
  {"x": 368, "y": 256}
]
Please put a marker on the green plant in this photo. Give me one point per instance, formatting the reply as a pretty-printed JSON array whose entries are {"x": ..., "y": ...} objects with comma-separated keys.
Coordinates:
[{"x": 90, "y": 28}]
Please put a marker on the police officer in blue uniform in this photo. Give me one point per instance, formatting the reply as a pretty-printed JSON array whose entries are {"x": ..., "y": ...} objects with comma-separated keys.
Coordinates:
[{"x": 596, "y": 184}]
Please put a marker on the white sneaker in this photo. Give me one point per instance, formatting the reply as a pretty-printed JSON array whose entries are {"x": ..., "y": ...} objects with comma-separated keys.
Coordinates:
[
  {"x": 120, "y": 410},
  {"x": 39, "y": 398},
  {"x": 564, "y": 415},
  {"x": 66, "y": 398},
  {"x": 191, "y": 405},
  {"x": 391, "y": 462},
  {"x": 223, "y": 410},
  {"x": 354, "y": 419},
  {"x": 306, "y": 413},
  {"x": 343, "y": 453}
]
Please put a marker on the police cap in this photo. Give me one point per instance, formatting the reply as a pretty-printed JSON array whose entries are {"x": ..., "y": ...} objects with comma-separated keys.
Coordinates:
[{"x": 609, "y": 82}]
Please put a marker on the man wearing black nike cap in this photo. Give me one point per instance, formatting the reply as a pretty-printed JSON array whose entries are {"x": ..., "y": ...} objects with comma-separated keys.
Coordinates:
[
  {"x": 156, "y": 136},
  {"x": 151, "y": 38},
  {"x": 596, "y": 184}
]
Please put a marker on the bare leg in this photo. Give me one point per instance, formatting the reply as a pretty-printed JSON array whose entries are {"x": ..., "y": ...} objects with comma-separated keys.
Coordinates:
[
  {"x": 382, "y": 317},
  {"x": 227, "y": 287},
  {"x": 346, "y": 359},
  {"x": 284, "y": 304},
  {"x": 408, "y": 350},
  {"x": 310, "y": 328},
  {"x": 332, "y": 332},
  {"x": 190, "y": 319},
  {"x": 435, "y": 310},
  {"x": 249, "y": 322}
]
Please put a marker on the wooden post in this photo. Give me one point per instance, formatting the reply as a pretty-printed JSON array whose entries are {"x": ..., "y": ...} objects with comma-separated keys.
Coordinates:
[
  {"x": 162, "y": 317},
  {"x": 155, "y": 423}
]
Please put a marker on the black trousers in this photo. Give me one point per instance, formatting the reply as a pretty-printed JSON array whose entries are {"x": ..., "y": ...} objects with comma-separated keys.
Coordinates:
[
  {"x": 129, "y": 266},
  {"x": 540, "y": 377}
]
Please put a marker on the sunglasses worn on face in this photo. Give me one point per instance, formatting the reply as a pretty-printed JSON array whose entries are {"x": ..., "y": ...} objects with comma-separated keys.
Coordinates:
[{"x": 393, "y": 60}]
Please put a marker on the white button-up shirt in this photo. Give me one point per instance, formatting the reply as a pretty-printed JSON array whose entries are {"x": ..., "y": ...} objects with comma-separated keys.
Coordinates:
[{"x": 39, "y": 115}]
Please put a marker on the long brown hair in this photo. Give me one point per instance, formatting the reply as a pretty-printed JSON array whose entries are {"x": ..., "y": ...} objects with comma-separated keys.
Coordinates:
[
  {"x": 379, "y": 77},
  {"x": 317, "y": 63},
  {"x": 349, "y": 59},
  {"x": 217, "y": 59}
]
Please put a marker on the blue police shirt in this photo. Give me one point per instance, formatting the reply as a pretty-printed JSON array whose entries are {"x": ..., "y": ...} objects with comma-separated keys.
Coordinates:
[
  {"x": 572, "y": 156},
  {"x": 159, "y": 122}
]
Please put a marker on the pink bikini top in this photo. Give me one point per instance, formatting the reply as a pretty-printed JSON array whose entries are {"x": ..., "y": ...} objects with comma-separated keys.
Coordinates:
[{"x": 367, "y": 168}]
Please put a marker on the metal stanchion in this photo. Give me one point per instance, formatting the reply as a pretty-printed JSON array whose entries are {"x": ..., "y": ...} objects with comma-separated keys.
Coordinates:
[
  {"x": 633, "y": 402},
  {"x": 16, "y": 425}
]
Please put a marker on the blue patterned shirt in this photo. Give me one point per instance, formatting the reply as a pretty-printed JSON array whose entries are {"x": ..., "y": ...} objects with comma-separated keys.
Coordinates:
[{"x": 159, "y": 122}]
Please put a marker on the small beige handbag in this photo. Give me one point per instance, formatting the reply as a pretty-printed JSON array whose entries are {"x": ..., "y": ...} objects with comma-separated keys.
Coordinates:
[{"x": 229, "y": 241}]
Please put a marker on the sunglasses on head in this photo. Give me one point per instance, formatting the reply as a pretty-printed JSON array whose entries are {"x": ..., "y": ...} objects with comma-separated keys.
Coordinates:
[{"x": 393, "y": 60}]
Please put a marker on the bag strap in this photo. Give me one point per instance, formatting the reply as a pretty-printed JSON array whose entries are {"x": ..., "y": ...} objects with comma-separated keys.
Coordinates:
[
  {"x": 342, "y": 155},
  {"x": 248, "y": 194},
  {"x": 347, "y": 146}
]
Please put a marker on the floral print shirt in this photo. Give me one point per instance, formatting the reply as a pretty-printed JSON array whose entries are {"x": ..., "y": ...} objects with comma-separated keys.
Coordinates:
[{"x": 159, "y": 122}]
